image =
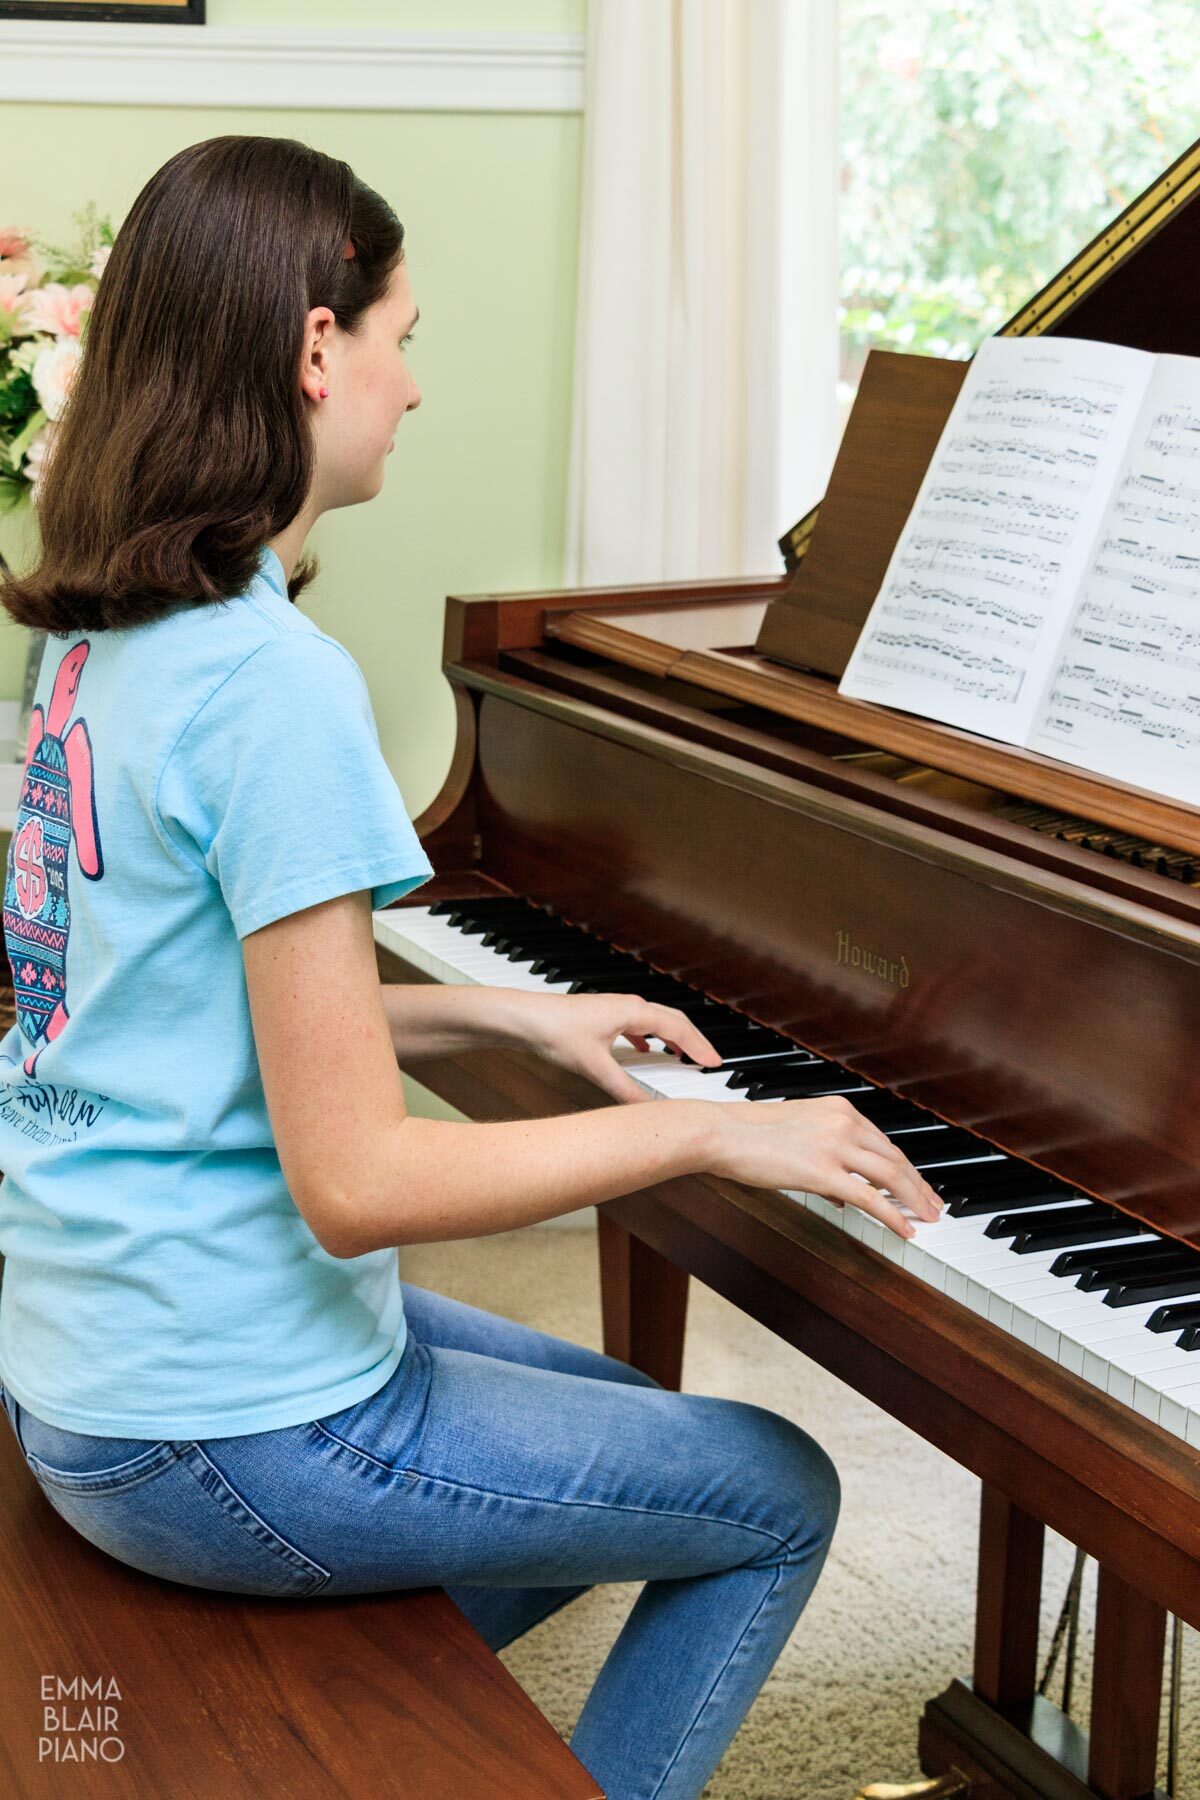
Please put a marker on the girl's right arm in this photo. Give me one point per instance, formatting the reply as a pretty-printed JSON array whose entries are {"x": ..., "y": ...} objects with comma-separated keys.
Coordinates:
[{"x": 365, "y": 1175}]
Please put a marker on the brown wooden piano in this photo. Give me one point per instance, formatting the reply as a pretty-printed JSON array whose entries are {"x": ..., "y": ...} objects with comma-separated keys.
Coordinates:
[{"x": 666, "y": 780}]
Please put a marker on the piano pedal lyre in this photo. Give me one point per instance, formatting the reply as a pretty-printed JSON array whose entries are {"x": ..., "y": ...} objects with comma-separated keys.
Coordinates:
[{"x": 951, "y": 1786}]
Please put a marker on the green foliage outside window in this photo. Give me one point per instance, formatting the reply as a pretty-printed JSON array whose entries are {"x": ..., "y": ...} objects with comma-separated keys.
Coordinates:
[{"x": 984, "y": 142}]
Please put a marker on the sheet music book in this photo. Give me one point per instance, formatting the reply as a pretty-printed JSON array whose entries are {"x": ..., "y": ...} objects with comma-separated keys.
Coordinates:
[{"x": 1045, "y": 589}]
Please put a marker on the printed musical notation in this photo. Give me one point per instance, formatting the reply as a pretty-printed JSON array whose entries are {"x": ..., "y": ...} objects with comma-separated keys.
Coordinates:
[
  {"x": 1176, "y": 432},
  {"x": 1132, "y": 514},
  {"x": 1140, "y": 482},
  {"x": 1155, "y": 637},
  {"x": 958, "y": 614},
  {"x": 969, "y": 672},
  {"x": 995, "y": 563},
  {"x": 1123, "y": 707},
  {"x": 1015, "y": 459},
  {"x": 1042, "y": 408},
  {"x": 1136, "y": 551},
  {"x": 1017, "y": 514}
]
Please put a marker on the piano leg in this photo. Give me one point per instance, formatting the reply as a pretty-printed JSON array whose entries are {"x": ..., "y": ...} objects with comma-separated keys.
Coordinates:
[
  {"x": 999, "y": 1732},
  {"x": 643, "y": 1300},
  {"x": 1007, "y": 1602},
  {"x": 1126, "y": 1690}
]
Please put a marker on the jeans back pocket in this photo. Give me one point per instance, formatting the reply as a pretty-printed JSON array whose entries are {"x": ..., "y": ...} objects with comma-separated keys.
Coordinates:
[{"x": 166, "y": 1508}]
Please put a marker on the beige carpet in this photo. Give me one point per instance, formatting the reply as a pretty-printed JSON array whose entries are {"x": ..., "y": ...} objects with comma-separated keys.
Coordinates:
[{"x": 892, "y": 1616}]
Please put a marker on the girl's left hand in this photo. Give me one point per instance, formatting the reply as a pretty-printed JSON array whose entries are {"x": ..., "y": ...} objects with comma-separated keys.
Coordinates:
[{"x": 577, "y": 1031}]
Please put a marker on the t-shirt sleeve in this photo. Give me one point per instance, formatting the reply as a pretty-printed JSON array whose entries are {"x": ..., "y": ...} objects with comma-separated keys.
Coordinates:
[{"x": 279, "y": 787}]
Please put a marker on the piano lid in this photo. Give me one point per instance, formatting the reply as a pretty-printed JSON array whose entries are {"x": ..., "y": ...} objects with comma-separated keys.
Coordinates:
[{"x": 1134, "y": 284}]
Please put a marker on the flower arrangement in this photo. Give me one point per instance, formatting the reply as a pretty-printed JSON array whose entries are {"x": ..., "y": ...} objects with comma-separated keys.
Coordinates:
[{"x": 46, "y": 296}]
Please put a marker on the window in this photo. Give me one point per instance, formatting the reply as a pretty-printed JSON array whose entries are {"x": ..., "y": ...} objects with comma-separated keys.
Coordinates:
[{"x": 984, "y": 142}]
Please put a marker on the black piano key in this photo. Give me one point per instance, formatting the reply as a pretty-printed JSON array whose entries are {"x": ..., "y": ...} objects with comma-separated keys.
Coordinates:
[
  {"x": 1092, "y": 1280},
  {"x": 522, "y": 948},
  {"x": 1012, "y": 1220},
  {"x": 540, "y": 926},
  {"x": 930, "y": 1137},
  {"x": 974, "y": 1206},
  {"x": 898, "y": 1119},
  {"x": 476, "y": 915},
  {"x": 752, "y": 1042},
  {"x": 1139, "y": 1289},
  {"x": 644, "y": 983},
  {"x": 483, "y": 904},
  {"x": 567, "y": 965},
  {"x": 1119, "y": 1257},
  {"x": 801, "y": 1076},
  {"x": 822, "y": 1087},
  {"x": 535, "y": 925},
  {"x": 1170, "y": 1318},
  {"x": 1077, "y": 1209},
  {"x": 470, "y": 927},
  {"x": 584, "y": 975},
  {"x": 729, "y": 1066},
  {"x": 743, "y": 1072},
  {"x": 1189, "y": 1339},
  {"x": 1044, "y": 1235},
  {"x": 985, "y": 1170}
]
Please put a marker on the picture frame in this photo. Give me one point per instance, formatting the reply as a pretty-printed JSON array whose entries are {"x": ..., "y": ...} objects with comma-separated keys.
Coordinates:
[{"x": 122, "y": 12}]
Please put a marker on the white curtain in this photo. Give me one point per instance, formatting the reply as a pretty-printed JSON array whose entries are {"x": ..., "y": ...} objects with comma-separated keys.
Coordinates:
[{"x": 704, "y": 417}]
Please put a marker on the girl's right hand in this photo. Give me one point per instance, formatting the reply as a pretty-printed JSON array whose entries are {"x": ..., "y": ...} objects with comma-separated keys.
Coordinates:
[{"x": 822, "y": 1147}]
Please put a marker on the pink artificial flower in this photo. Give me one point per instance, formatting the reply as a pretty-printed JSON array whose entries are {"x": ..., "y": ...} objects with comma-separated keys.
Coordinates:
[
  {"x": 13, "y": 296},
  {"x": 58, "y": 309},
  {"x": 13, "y": 241}
]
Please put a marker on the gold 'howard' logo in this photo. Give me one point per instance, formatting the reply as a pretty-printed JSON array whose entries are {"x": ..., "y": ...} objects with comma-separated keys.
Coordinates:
[{"x": 872, "y": 962}]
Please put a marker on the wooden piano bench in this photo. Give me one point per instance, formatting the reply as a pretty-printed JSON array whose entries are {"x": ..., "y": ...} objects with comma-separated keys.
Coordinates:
[{"x": 218, "y": 1696}]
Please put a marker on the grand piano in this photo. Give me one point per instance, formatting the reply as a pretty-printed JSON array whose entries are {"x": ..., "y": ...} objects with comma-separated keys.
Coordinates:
[{"x": 995, "y": 955}]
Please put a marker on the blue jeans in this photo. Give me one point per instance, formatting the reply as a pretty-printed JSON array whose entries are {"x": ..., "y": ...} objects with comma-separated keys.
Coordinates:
[{"x": 515, "y": 1470}]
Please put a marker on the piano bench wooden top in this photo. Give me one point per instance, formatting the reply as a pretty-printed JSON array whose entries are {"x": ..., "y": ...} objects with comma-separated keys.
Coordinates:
[{"x": 227, "y": 1696}]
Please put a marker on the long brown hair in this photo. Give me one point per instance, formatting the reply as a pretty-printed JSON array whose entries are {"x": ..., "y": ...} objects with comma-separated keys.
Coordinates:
[{"x": 185, "y": 442}]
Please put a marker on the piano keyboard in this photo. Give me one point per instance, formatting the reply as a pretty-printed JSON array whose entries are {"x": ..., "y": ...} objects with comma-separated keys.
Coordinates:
[{"x": 1078, "y": 1281}]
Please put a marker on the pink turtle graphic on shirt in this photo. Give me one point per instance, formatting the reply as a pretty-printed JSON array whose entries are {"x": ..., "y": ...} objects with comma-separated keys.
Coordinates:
[{"x": 58, "y": 803}]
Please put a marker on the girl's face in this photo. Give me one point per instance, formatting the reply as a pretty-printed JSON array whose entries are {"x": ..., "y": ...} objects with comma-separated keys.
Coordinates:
[{"x": 370, "y": 388}]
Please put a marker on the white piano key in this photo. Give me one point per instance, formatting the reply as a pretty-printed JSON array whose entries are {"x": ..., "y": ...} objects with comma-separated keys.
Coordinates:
[
  {"x": 1172, "y": 1414},
  {"x": 1180, "y": 1375},
  {"x": 825, "y": 1209},
  {"x": 925, "y": 1267}
]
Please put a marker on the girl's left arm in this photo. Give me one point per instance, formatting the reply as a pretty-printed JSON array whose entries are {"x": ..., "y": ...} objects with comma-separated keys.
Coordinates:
[{"x": 577, "y": 1031}]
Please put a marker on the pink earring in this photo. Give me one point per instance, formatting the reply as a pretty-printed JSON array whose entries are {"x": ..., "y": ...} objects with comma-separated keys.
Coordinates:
[{"x": 324, "y": 393}]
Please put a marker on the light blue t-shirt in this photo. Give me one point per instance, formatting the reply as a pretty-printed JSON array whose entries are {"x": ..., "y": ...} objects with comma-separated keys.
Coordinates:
[{"x": 189, "y": 781}]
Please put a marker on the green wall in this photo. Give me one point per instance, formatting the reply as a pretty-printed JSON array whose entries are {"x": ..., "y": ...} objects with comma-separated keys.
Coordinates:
[{"x": 475, "y": 494}]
